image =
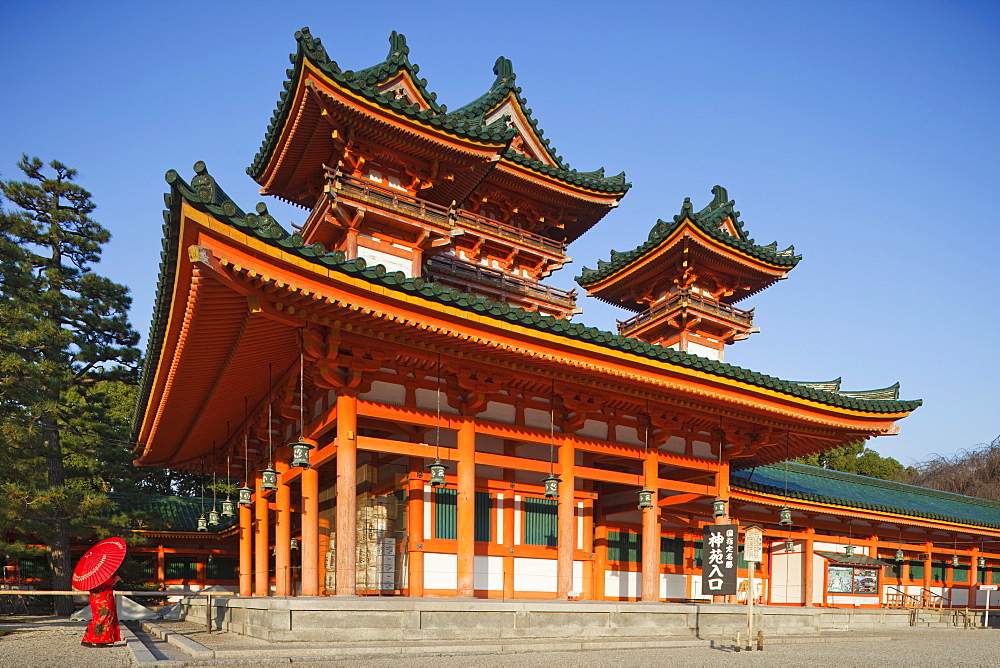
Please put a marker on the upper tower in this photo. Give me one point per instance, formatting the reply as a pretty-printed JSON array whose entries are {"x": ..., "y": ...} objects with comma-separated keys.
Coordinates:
[
  {"x": 684, "y": 280},
  {"x": 476, "y": 199}
]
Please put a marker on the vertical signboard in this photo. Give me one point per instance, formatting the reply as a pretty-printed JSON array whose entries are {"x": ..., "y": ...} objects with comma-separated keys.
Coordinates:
[{"x": 718, "y": 566}]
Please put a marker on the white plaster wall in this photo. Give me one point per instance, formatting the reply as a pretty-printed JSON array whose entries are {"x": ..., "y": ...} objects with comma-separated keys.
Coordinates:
[
  {"x": 427, "y": 400},
  {"x": 673, "y": 585},
  {"x": 594, "y": 429},
  {"x": 578, "y": 576},
  {"x": 786, "y": 577},
  {"x": 390, "y": 262},
  {"x": 959, "y": 596},
  {"x": 704, "y": 351},
  {"x": 819, "y": 578},
  {"x": 537, "y": 419},
  {"x": 534, "y": 574},
  {"x": 622, "y": 584},
  {"x": 675, "y": 444},
  {"x": 440, "y": 571},
  {"x": 487, "y": 572},
  {"x": 499, "y": 412},
  {"x": 385, "y": 393},
  {"x": 627, "y": 434},
  {"x": 701, "y": 449}
]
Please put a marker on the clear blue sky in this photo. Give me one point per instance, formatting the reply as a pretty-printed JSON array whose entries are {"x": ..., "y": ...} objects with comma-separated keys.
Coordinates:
[{"x": 865, "y": 133}]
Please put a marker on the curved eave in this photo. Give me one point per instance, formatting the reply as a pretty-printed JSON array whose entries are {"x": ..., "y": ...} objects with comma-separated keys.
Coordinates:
[
  {"x": 485, "y": 326},
  {"x": 774, "y": 271},
  {"x": 424, "y": 125}
]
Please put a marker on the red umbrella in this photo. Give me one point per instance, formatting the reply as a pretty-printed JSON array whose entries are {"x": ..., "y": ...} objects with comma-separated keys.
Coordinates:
[{"x": 99, "y": 563}]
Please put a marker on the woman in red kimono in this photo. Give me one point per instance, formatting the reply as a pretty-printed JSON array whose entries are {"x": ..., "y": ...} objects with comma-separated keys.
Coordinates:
[{"x": 103, "y": 629}]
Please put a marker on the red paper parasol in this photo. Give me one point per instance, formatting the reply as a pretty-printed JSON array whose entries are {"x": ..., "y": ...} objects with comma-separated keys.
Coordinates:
[{"x": 99, "y": 563}]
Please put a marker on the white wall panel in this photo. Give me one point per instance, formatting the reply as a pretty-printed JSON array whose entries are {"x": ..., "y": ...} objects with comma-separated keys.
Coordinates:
[
  {"x": 440, "y": 571},
  {"x": 534, "y": 574}
]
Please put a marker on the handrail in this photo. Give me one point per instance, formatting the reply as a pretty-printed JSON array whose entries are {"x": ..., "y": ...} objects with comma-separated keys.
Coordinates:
[
  {"x": 678, "y": 299},
  {"x": 117, "y": 592},
  {"x": 387, "y": 198},
  {"x": 464, "y": 269}
]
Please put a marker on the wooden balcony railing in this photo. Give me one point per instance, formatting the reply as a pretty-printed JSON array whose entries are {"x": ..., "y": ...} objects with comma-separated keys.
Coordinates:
[
  {"x": 401, "y": 202},
  {"x": 685, "y": 298},
  {"x": 499, "y": 281}
]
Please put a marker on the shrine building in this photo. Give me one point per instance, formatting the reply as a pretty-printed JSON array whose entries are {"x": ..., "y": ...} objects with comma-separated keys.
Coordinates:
[{"x": 413, "y": 412}]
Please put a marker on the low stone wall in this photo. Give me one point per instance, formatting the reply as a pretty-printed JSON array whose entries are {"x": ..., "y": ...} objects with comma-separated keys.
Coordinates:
[{"x": 324, "y": 619}]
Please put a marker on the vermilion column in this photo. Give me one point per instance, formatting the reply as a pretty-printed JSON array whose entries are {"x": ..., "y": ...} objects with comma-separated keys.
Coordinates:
[
  {"x": 510, "y": 450},
  {"x": 651, "y": 530},
  {"x": 261, "y": 539},
  {"x": 600, "y": 551},
  {"x": 246, "y": 551},
  {"x": 807, "y": 568},
  {"x": 309, "y": 481},
  {"x": 282, "y": 533},
  {"x": 347, "y": 494},
  {"x": 566, "y": 536},
  {"x": 466, "y": 522},
  {"x": 415, "y": 527},
  {"x": 161, "y": 565}
]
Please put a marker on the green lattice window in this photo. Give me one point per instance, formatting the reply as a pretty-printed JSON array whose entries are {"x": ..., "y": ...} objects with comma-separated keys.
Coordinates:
[
  {"x": 960, "y": 573},
  {"x": 938, "y": 571},
  {"x": 180, "y": 568},
  {"x": 446, "y": 515},
  {"x": 624, "y": 546},
  {"x": 222, "y": 568},
  {"x": 916, "y": 569},
  {"x": 672, "y": 551},
  {"x": 33, "y": 568},
  {"x": 540, "y": 522}
]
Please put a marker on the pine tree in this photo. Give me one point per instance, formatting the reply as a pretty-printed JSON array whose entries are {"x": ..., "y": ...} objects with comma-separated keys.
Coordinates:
[{"x": 65, "y": 341}]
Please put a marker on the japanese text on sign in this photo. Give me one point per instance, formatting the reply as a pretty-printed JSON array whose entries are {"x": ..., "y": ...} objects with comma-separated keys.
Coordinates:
[{"x": 718, "y": 570}]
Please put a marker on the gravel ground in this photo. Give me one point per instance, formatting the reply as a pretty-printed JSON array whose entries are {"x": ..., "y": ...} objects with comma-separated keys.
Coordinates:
[{"x": 58, "y": 645}]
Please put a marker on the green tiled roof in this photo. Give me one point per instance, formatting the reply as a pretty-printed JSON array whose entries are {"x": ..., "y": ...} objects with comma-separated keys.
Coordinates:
[
  {"x": 810, "y": 483},
  {"x": 709, "y": 220},
  {"x": 174, "y": 513},
  {"x": 891, "y": 392},
  {"x": 468, "y": 122},
  {"x": 205, "y": 195}
]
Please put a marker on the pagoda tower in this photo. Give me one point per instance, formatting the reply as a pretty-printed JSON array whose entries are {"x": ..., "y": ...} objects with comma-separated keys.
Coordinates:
[
  {"x": 475, "y": 199},
  {"x": 683, "y": 282}
]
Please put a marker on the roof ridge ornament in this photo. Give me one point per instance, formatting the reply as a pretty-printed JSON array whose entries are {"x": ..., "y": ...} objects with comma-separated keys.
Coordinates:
[
  {"x": 504, "y": 69},
  {"x": 687, "y": 211},
  {"x": 397, "y": 46}
]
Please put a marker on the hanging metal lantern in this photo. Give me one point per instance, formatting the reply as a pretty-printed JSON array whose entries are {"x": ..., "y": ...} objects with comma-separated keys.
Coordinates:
[
  {"x": 645, "y": 498},
  {"x": 981, "y": 561},
  {"x": 227, "y": 507},
  {"x": 785, "y": 516},
  {"x": 551, "y": 487},
  {"x": 899, "y": 555},
  {"x": 437, "y": 473},
  {"x": 849, "y": 550},
  {"x": 719, "y": 508},
  {"x": 300, "y": 454},
  {"x": 269, "y": 479},
  {"x": 213, "y": 517},
  {"x": 295, "y": 543},
  {"x": 789, "y": 545},
  {"x": 954, "y": 560},
  {"x": 245, "y": 496},
  {"x": 202, "y": 524}
]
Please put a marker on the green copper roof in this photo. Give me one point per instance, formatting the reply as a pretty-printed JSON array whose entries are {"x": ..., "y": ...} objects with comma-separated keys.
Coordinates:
[
  {"x": 205, "y": 195},
  {"x": 891, "y": 392},
  {"x": 173, "y": 513},
  {"x": 810, "y": 483},
  {"x": 709, "y": 220},
  {"x": 467, "y": 122}
]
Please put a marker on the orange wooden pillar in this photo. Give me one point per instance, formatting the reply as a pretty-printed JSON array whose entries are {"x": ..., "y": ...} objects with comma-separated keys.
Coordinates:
[
  {"x": 807, "y": 568},
  {"x": 347, "y": 494},
  {"x": 415, "y": 527},
  {"x": 466, "y": 521},
  {"x": 246, "y": 551},
  {"x": 309, "y": 481},
  {"x": 261, "y": 578},
  {"x": 508, "y": 509},
  {"x": 600, "y": 551},
  {"x": 973, "y": 576},
  {"x": 282, "y": 533},
  {"x": 927, "y": 569},
  {"x": 566, "y": 516},
  {"x": 651, "y": 530},
  {"x": 161, "y": 565}
]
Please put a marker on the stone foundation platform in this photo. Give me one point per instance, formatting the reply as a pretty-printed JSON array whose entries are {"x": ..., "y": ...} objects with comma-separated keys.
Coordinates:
[{"x": 354, "y": 619}]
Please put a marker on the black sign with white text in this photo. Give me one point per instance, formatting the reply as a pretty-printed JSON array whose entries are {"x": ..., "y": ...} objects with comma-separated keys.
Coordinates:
[{"x": 719, "y": 560}]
